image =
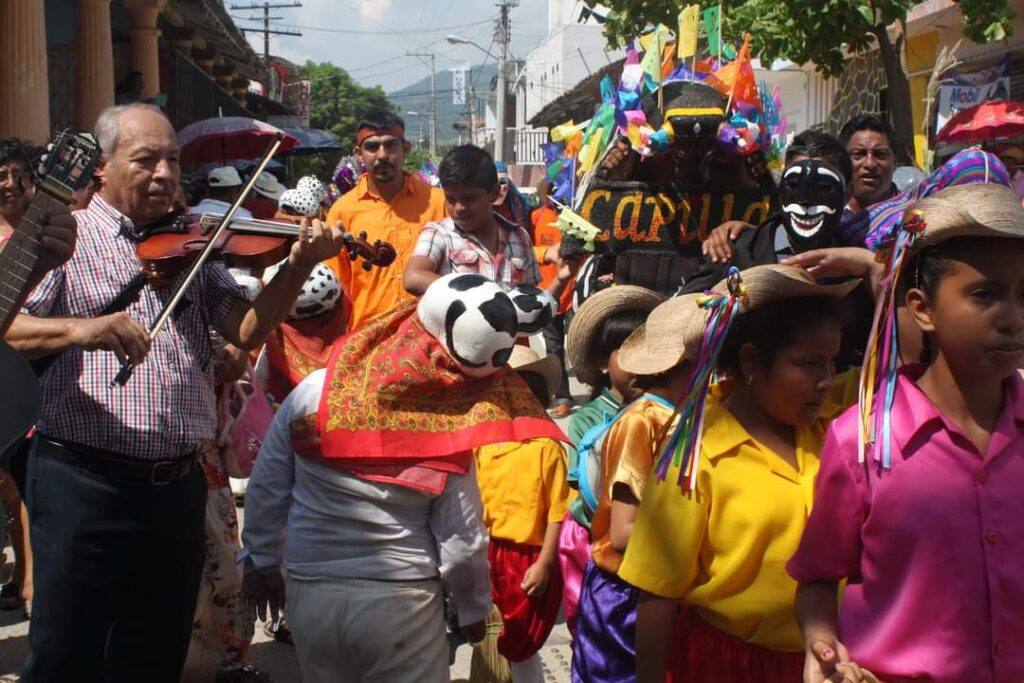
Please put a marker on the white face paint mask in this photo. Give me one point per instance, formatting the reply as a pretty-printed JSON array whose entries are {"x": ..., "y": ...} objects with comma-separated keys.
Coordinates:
[{"x": 1018, "y": 183}]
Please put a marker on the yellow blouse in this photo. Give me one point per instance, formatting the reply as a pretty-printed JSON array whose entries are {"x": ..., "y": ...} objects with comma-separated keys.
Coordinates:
[
  {"x": 627, "y": 456},
  {"x": 722, "y": 549},
  {"x": 523, "y": 487}
]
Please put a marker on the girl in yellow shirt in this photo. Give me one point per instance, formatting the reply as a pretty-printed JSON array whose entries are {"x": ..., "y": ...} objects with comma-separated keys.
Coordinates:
[
  {"x": 718, "y": 541},
  {"x": 605, "y": 645}
]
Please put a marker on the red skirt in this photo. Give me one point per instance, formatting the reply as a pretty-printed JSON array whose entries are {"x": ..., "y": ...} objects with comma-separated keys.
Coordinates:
[
  {"x": 528, "y": 621},
  {"x": 706, "y": 655}
]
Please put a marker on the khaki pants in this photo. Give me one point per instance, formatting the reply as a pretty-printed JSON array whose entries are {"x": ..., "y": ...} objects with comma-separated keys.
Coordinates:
[{"x": 354, "y": 630}]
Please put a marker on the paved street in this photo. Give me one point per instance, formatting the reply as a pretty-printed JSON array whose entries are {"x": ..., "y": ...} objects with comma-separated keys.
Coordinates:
[{"x": 278, "y": 659}]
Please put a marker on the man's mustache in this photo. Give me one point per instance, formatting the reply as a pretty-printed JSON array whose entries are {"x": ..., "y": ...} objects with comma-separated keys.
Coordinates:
[{"x": 383, "y": 164}]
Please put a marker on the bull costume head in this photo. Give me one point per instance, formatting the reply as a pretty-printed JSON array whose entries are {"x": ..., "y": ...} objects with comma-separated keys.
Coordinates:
[
  {"x": 812, "y": 195},
  {"x": 692, "y": 116}
]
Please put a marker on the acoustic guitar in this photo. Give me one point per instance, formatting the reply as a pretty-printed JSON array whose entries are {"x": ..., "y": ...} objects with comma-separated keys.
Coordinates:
[{"x": 67, "y": 167}]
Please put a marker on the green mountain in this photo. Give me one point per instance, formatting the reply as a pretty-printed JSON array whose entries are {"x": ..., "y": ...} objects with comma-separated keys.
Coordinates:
[{"x": 416, "y": 97}]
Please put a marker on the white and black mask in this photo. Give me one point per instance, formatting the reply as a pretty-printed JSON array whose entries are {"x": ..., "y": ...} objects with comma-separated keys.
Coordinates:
[{"x": 812, "y": 195}]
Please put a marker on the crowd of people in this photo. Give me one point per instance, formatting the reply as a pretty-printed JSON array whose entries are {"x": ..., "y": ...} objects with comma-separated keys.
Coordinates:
[{"x": 801, "y": 465}]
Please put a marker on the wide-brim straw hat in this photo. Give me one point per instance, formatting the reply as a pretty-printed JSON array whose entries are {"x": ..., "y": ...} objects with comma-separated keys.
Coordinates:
[
  {"x": 670, "y": 335},
  {"x": 592, "y": 314},
  {"x": 775, "y": 282},
  {"x": 979, "y": 210},
  {"x": 525, "y": 359}
]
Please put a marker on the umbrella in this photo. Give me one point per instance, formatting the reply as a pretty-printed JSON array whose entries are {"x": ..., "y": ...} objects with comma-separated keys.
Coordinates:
[
  {"x": 983, "y": 122},
  {"x": 313, "y": 141},
  {"x": 228, "y": 137}
]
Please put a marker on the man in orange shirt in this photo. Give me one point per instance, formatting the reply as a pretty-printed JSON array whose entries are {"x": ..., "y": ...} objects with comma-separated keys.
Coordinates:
[{"x": 387, "y": 204}]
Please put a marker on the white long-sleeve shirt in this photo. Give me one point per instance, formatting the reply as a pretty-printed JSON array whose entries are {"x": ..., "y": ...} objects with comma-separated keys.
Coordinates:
[{"x": 338, "y": 526}]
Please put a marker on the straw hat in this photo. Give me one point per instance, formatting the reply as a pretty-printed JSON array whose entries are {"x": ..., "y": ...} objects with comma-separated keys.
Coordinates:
[
  {"x": 670, "y": 335},
  {"x": 776, "y": 282},
  {"x": 525, "y": 359},
  {"x": 979, "y": 210},
  {"x": 594, "y": 311}
]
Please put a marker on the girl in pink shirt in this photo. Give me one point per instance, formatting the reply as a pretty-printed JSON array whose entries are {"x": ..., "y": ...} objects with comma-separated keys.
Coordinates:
[{"x": 918, "y": 500}]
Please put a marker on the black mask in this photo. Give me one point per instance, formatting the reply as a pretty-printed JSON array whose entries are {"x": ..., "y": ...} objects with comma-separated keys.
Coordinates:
[{"x": 812, "y": 195}]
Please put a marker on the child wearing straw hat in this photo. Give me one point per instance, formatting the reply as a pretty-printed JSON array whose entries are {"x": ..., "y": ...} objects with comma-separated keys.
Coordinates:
[
  {"x": 924, "y": 481},
  {"x": 605, "y": 644},
  {"x": 602, "y": 324},
  {"x": 730, "y": 493},
  {"x": 525, "y": 496}
]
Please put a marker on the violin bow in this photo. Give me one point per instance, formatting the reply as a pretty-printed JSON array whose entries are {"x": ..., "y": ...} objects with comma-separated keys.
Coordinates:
[{"x": 127, "y": 367}]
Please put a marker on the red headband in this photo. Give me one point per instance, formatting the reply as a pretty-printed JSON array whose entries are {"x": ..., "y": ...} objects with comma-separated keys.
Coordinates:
[{"x": 368, "y": 132}]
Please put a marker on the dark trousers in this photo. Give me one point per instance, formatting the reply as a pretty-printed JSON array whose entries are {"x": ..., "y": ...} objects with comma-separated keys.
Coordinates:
[
  {"x": 117, "y": 570},
  {"x": 554, "y": 342}
]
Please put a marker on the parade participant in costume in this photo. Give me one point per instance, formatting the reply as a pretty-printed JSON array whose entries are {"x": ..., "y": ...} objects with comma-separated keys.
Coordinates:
[
  {"x": 302, "y": 343},
  {"x": 116, "y": 499},
  {"x": 811, "y": 197},
  {"x": 304, "y": 200},
  {"x": 655, "y": 212},
  {"x": 368, "y": 474},
  {"x": 704, "y": 538},
  {"x": 606, "y": 640},
  {"x": 387, "y": 204},
  {"x": 923, "y": 482},
  {"x": 812, "y": 193},
  {"x": 525, "y": 495},
  {"x": 603, "y": 322}
]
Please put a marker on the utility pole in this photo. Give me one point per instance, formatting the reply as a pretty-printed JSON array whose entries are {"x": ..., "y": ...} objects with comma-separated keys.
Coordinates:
[
  {"x": 266, "y": 19},
  {"x": 433, "y": 99},
  {"x": 503, "y": 36}
]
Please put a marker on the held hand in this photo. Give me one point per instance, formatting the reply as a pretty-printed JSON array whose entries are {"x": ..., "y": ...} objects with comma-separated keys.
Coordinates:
[
  {"x": 116, "y": 332},
  {"x": 718, "y": 245},
  {"x": 619, "y": 162},
  {"x": 475, "y": 632},
  {"x": 827, "y": 660},
  {"x": 317, "y": 242},
  {"x": 57, "y": 235},
  {"x": 263, "y": 589},
  {"x": 535, "y": 579},
  {"x": 836, "y": 262}
]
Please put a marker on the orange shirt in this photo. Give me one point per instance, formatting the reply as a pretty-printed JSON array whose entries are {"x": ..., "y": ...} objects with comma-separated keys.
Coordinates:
[
  {"x": 399, "y": 222},
  {"x": 546, "y": 234}
]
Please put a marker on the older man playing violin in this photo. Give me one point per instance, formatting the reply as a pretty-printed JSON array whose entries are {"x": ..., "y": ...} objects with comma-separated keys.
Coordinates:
[{"x": 116, "y": 498}]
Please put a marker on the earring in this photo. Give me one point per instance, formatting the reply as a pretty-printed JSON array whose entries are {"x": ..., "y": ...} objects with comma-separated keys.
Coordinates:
[{"x": 750, "y": 379}]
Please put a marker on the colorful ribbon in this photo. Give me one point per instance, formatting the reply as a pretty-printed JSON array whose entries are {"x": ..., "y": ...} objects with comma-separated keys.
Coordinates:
[{"x": 683, "y": 446}]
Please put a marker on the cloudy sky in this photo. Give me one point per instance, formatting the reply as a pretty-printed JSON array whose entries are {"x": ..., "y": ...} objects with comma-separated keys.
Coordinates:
[{"x": 369, "y": 38}]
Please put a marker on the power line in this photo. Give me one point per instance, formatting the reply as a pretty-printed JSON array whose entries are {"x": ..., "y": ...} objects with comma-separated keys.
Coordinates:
[
  {"x": 391, "y": 32},
  {"x": 266, "y": 19}
]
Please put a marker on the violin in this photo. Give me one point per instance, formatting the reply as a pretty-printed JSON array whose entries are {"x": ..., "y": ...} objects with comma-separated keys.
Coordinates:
[{"x": 170, "y": 247}]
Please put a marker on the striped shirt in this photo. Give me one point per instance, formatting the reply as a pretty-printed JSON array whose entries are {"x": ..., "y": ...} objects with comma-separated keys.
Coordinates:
[
  {"x": 169, "y": 404},
  {"x": 455, "y": 251}
]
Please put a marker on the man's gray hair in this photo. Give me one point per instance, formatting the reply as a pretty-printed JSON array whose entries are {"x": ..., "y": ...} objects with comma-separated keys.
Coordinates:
[{"x": 107, "y": 127}]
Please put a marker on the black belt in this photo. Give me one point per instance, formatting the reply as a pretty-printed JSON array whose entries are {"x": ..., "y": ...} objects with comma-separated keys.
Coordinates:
[{"x": 156, "y": 472}]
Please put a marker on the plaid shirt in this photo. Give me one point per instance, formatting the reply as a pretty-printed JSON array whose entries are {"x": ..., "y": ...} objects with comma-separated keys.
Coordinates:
[
  {"x": 455, "y": 251},
  {"x": 169, "y": 404}
]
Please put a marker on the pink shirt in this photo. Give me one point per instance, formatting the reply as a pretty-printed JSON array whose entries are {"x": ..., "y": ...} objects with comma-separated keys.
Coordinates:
[{"x": 933, "y": 548}]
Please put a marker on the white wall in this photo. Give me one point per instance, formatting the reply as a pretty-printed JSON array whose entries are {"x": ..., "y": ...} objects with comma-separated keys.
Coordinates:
[{"x": 568, "y": 55}]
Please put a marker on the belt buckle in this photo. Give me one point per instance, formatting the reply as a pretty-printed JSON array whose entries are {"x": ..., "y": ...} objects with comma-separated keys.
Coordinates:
[{"x": 163, "y": 473}]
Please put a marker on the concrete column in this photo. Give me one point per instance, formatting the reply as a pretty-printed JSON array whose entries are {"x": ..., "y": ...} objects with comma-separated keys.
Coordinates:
[
  {"x": 24, "y": 80},
  {"x": 144, "y": 34},
  {"x": 95, "y": 55}
]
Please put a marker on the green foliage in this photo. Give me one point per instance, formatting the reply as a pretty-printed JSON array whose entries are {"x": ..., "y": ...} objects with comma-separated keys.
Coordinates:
[
  {"x": 415, "y": 157},
  {"x": 336, "y": 102},
  {"x": 804, "y": 30}
]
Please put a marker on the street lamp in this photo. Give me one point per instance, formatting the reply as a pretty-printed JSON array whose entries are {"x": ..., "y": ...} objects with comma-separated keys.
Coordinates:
[{"x": 499, "y": 114}]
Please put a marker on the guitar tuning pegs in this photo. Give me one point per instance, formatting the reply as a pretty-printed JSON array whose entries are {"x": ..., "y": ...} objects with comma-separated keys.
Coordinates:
[{"x": 367, "y": 266}]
